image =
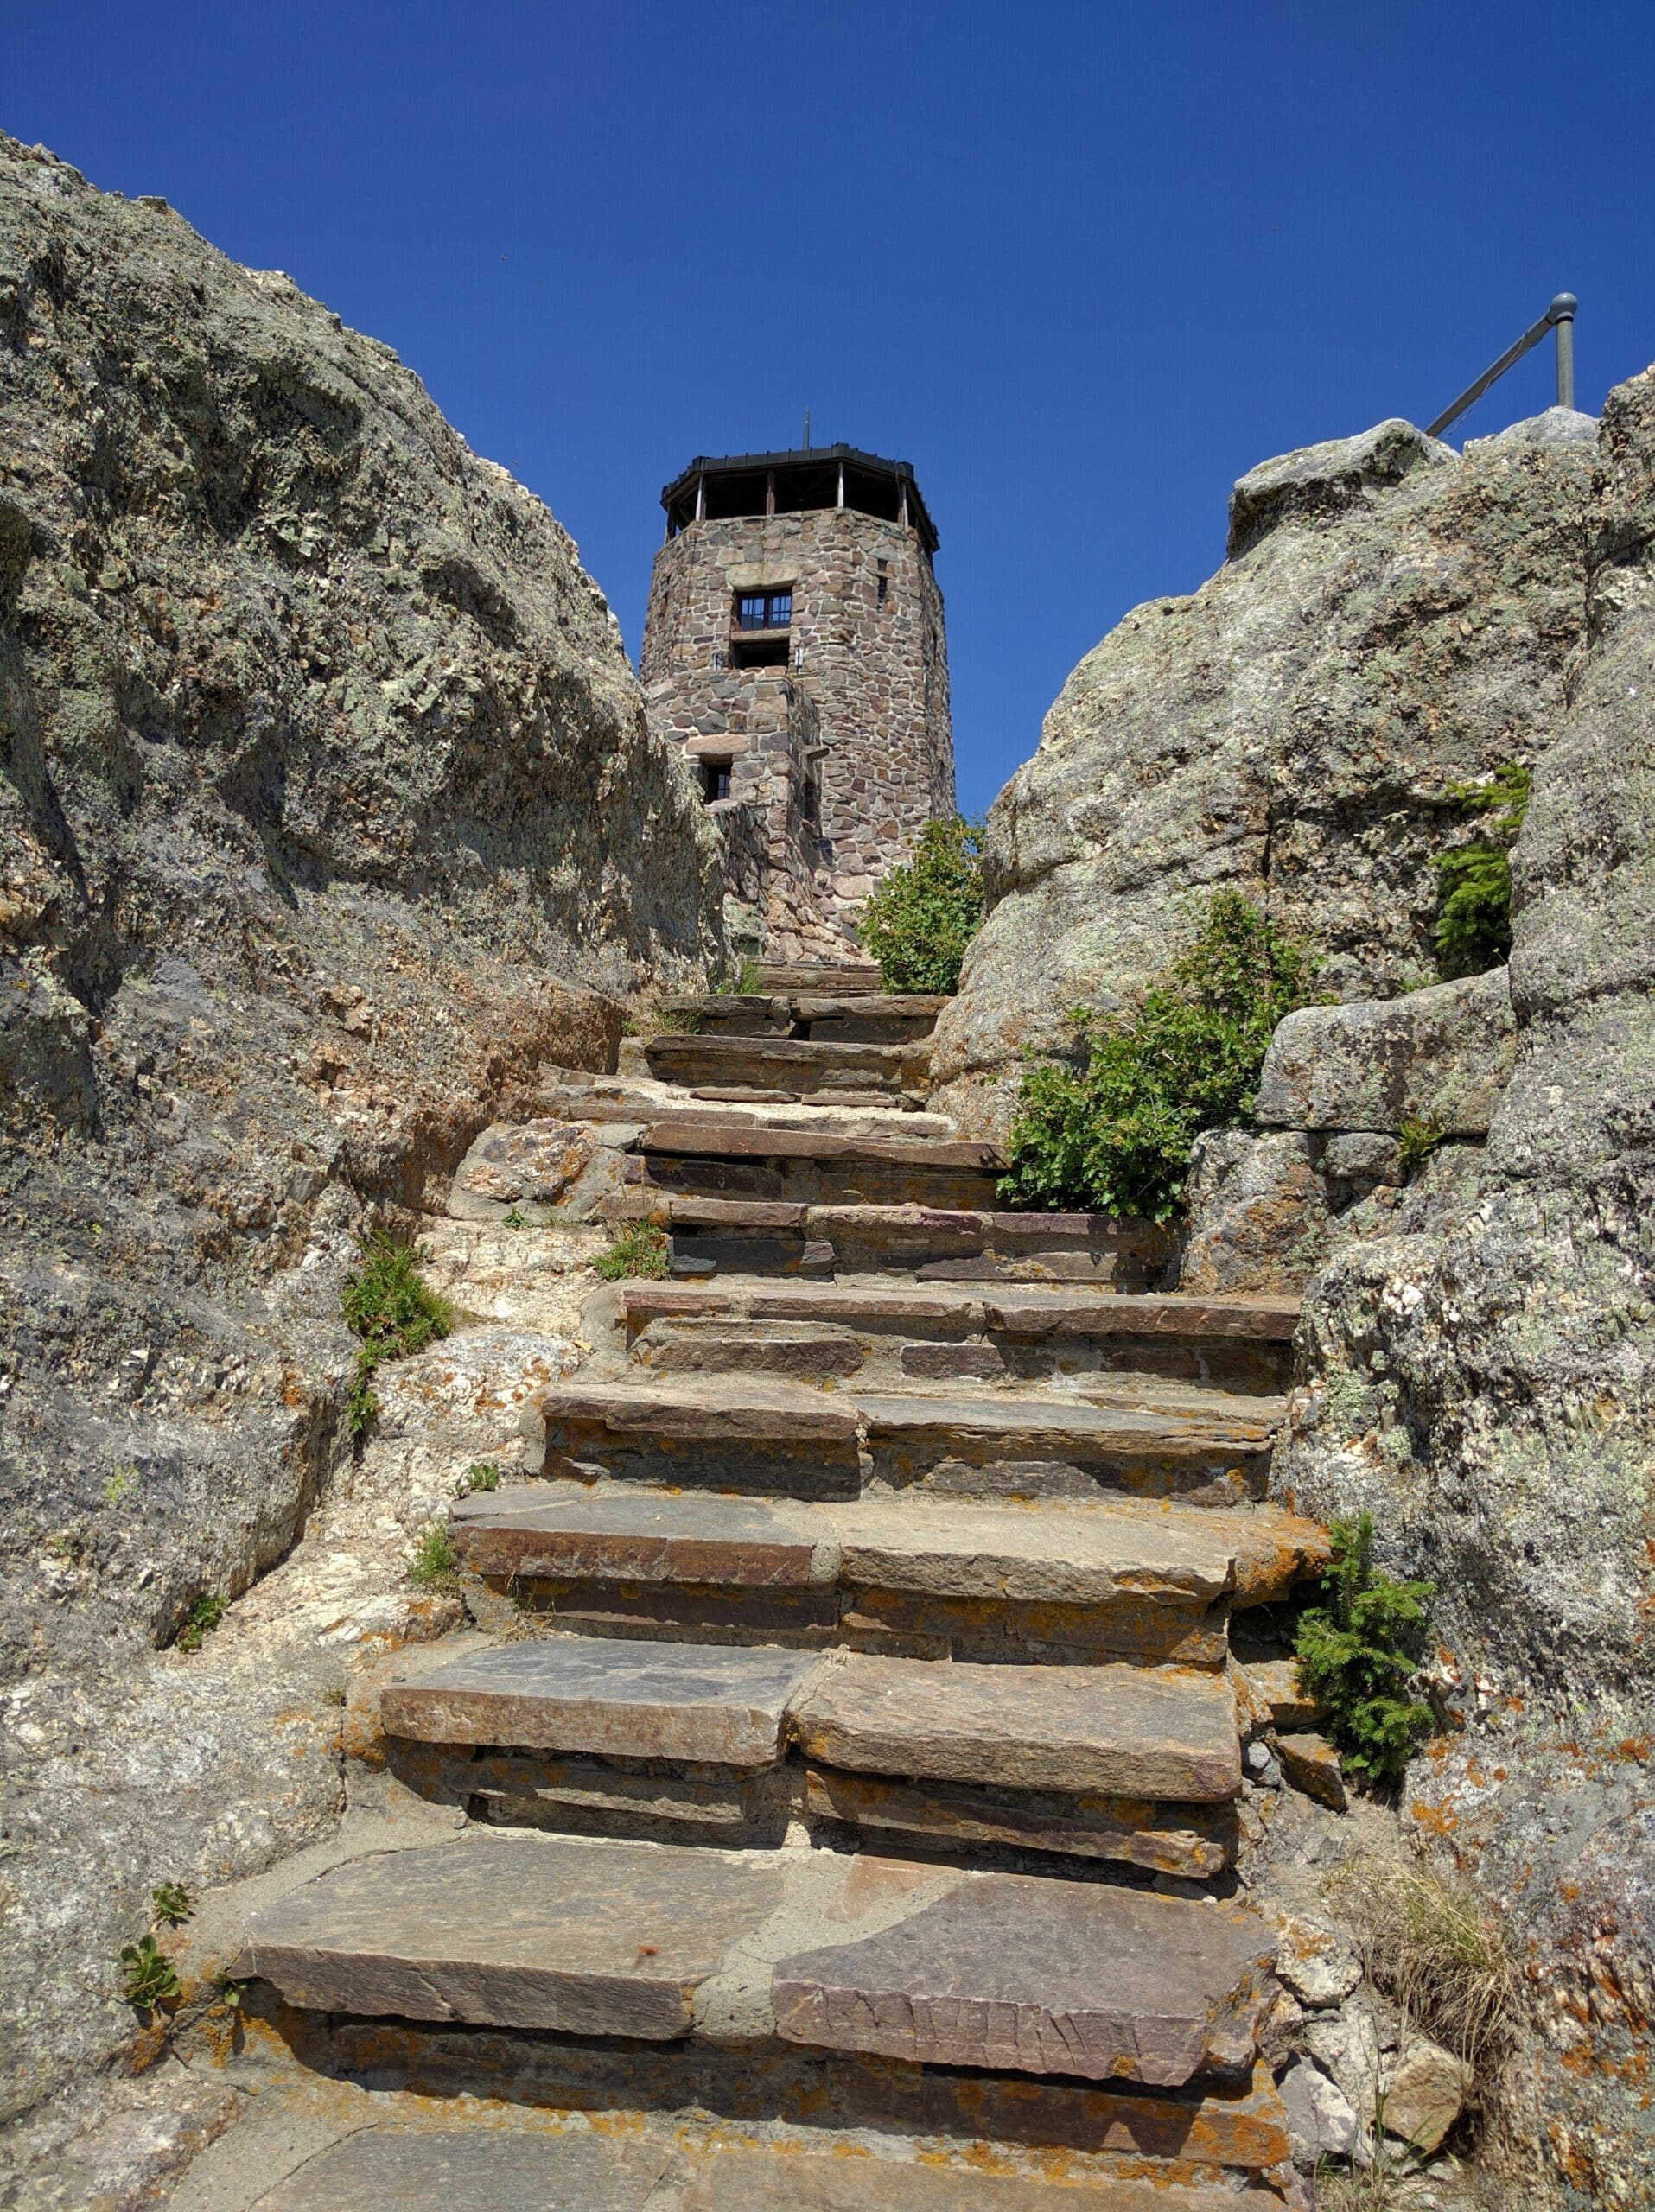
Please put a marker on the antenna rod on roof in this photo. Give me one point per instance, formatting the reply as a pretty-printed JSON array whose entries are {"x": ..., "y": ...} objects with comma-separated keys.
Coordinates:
[{"x": 807, "y": 429}]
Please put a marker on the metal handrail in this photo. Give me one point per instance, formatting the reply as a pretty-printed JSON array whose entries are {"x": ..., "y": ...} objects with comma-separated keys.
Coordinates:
[{"x": 1559, "y": 317}]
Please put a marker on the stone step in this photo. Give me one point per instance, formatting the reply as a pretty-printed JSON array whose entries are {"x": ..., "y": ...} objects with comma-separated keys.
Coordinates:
[
  {"x": 695, "y": 1155},
  {"x": 839, "y": 1951},
  {"x": 811, "y": 1069},
  {"x": 868, "y": 1018},
  {"x": 761, "y": 1236},
  {"x": 493, "y": 2168},
  {"x": 844, "y": 979},
  {"x": 1105, "y": 1762},
  {"x": 640, "y": 1099},
  {"x": 915, "y": 1575},
  {"x": 705, "y": 1704},
  {"x": 785, "y": 1439},
  {"x": 889, "y": 1332}
]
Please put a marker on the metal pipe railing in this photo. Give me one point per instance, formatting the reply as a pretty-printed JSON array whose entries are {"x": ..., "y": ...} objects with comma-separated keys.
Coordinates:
[{"x": 1559, "y": 317}]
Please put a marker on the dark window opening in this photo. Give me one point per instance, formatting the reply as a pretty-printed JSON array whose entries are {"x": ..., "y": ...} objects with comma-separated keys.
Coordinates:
[
  {"x": 884, "y": 584},
  {"x": 715, "y": 780},
  {"x": 810, "y": 801},
  {"x": 766, "y": 650},
  {"x": 765, "y": 610}
]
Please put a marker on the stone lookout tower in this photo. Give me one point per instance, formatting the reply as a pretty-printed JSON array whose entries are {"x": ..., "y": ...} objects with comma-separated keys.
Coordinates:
[{"x": 794, "y": 648}]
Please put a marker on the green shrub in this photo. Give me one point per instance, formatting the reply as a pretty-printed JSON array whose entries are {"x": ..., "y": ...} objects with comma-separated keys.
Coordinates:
[
  {"x": 1115, "y": 1134},
  {"x": 393, "y": 1313},
  {"x": 641, "y": 1250},
  {"x": 1417, "y": 1139},
  {"x": 481, "y": 1474},
  {"x": 199, "y": 1621},
  {"x": 919, "y": 921},
  {"x": 1473, "y": 920},
  {"x": 1356, "y": 1652},
  {"x": 148, "y": 1978}
]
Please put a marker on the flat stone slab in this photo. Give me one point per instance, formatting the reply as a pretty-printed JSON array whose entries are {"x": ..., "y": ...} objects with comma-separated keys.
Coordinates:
[
  {"x": 1073, "y": 1554},
  {"x": 1146, "y": 1314},
  {"x": 518, "y": 1931},
  {"x": 569, "y": 1531},
  {"x": 480, "y": 2168},
  {"x": 707, "y": 1139},
  {"x": 785, "y": 2180},
  {"x": 1129, "y": 1731},
  {"x": 1015, "y": 1973},
  {"x": 723, "y": 1706}
]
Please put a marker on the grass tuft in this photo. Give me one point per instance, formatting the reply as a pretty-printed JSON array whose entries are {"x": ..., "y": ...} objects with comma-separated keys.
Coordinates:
[
  {"x": 393, "y": 1313},
  {"x": 434, "y": 1564},
  {"x": 640, "y": 1252},
  {"x": 1426, "y": 1943}
]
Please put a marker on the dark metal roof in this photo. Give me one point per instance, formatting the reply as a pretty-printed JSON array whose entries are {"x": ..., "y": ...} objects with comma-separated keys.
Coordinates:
[{"x": 731, "y": 464}]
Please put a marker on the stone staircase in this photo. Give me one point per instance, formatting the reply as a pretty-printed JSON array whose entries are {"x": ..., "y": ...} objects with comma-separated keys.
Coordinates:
[{"x": 849, "y": 1752}]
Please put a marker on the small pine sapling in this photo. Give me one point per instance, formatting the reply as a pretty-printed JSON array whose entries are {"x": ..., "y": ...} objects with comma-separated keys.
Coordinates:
[{"x": 1357, "y": 1651}]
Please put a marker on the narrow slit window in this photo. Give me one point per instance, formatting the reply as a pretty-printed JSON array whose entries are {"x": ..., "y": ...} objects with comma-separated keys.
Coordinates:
[{"x": 884, "y": 584}]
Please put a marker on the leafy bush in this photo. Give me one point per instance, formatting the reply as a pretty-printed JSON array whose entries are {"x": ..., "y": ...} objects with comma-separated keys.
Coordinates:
[
  {"x": 393, "y": 1313},
  {"x": 1417, "y": 1139},
  {"x": 148, "y": 1978},
  {"x": 919, "y": 921},
  {"x": 173, "y": 1903},
  {"x": 1115, "y": 1134},
  {"x": 641, "y": 1250},
  {"x": 1356, "y": 1653},
  {"x": 203, "y": 1616},
  {"x": 481, "y": 1474},
  {"x": 1473, "y": 921}
]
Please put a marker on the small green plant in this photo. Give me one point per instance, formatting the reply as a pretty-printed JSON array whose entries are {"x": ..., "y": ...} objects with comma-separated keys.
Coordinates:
[
  {"x": 677, "y": 1021},
  {"x": 393, "y": 1313},
  {"x": 1115, "y": 1133},
  {"x": 231, "y": 1992},
  {"x": 433, "y": 1563},
  {"x": 173, "y": 1903},
  {"x": 201, "y": 1620},
  {"x": 516, "y": 1219},
  {"x": 148, "y": 1977},
  {"x": 640, "y": 1251},
  {"x": 1357, "y": 1651},
  {"x": 1417, "y": 1139},
  {"x": 1473, "y": 920},
  {"x": 481, "y": 1474},
  {"x": 121, "y": 1485},
  {"x": 747, "y": 985},
  {"x": 919, "y": 921}
]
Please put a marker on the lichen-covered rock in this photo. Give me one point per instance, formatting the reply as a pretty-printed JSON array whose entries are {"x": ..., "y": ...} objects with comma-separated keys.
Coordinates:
[
  {"x": 1439, "y": 1057},
  {"x": 1485, "y": 1387},
  {"x": 1394, "y": 619},
  {"x": 329, "y": 817}
]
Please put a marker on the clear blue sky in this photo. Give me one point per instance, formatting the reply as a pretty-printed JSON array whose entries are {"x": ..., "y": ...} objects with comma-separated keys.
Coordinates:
[{"x": 1081, "y": 263}]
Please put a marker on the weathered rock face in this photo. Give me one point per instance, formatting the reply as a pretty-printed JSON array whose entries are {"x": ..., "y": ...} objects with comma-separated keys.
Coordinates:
[
  {"x": 1393, "y": 619},
  {"x": 328, "y": 809},
  {"x": 1486, "y": 1385}
]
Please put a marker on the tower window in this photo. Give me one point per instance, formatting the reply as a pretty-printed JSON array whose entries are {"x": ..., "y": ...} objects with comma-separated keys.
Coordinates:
[
  {"x": 765, "y": 610},
  {"x": 715, "y": 780},
  {"x": 884, "y": 582}
]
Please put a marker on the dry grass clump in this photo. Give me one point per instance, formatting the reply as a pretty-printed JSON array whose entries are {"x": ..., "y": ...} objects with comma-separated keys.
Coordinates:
[{"x": 1426, "y": 1944}]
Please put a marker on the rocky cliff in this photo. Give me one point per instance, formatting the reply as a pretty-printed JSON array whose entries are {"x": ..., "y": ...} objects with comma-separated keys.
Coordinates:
[
  {"x": 329, "y": 817},
  {"x": 1476, "y": 1365},
  {"x": 1393, "y": 618}
]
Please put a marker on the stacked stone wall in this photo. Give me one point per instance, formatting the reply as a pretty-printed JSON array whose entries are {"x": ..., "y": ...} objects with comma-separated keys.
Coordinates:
[{"x": 867, "y": 671}]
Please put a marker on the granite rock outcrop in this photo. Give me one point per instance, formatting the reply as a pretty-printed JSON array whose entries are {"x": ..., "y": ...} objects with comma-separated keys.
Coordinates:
[
  {"x": 1395, "y": 618},
  {"x": 329, "y": 817}
]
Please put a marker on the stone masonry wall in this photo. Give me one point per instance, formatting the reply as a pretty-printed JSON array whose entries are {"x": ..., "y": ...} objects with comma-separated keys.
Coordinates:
[{"x": 875, "y": 673}]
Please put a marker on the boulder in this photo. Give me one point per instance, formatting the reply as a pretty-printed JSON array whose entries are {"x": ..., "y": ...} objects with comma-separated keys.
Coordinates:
[
  {"x": 1321, "y": 2123},
  {"x": 1256, "y": 1203},
  {"x": 1425, "y": 2093},
  {"x": 1442, "y": 1056}
]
